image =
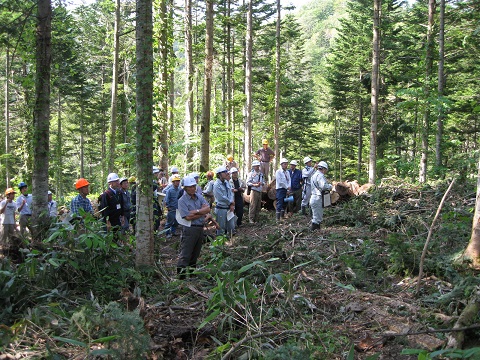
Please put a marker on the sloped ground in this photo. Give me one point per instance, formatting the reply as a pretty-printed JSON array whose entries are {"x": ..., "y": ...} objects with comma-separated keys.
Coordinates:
[{"x": 340, "y": 291}]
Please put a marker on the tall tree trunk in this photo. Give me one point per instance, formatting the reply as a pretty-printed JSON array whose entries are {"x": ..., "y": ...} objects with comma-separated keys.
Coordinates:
[
  {"x": 82, "y": 140},
  {"x": 58, "y": 151},
  {"x": 7, "y": 116},
  {"x": 360, "y": 138},
  {"x": 276, "y": 128},
  {"x": 189, "y": 73},
  {"x": 113, "y": 107},
  {"x": 426, "y": 92},
  {"x": 164, "y": 82},
  {"x": 372, "y": 168},
  {"x": 441, "y": 85},
  {"x": 41, "y": 118},
  {"x": 473, "y": 249},
  {"x": 207, "y": 90},
  {"x": 229, "y": 113},
  {"x": 247, "y": 161},
  {"x": 144, "y": 130}
]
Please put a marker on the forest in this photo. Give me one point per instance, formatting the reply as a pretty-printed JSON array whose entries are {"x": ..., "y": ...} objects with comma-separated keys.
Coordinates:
[{"x": 386, "y": 92}]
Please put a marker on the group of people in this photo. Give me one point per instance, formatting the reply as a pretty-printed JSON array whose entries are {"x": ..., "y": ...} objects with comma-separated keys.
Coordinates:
[{"x": 187, "y": 203}]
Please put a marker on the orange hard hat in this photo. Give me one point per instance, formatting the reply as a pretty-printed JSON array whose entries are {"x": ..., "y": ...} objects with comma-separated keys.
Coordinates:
[
  {"x": 81, "y": 183},
  {"x": 229, "y": 157},
  {"x": 9, "y": 191}
]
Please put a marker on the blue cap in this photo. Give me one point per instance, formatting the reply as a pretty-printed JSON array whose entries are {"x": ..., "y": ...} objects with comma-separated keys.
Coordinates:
[{"x": 22, "y": 185}]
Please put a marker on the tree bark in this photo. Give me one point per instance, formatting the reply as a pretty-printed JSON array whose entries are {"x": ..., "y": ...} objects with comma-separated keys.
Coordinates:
[
  {"x": 360, "y": 138},
  {"x": 441, "y": 85},
  {"x": 426, "y": 91},
  {"x": 472, "y": 251},
  {"x": 113, "y": 103},
  {"x": 277, "y": 86},
  {"x": 372, "y": 169},
  {"x": 207, "y": 90},
  {"x": 164, "y": 87},
  {"x": 41, "y": 118},
  {"x": 7, "y": 116},
  {"x": 144, "y": 137},
  {"x": 247, "y": 161}
]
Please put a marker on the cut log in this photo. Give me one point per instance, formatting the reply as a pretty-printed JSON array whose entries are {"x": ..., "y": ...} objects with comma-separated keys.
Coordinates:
[{"x": 343, "y": 189}]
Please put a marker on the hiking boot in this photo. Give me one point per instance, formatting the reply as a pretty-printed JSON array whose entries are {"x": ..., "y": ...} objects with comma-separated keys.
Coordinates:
[{"x": 304, "y": 211}]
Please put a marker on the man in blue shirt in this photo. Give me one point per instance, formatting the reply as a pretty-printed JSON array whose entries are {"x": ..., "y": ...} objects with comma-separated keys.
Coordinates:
[
  {"x": 224, "y": 201},
  {"x": 296, "y": 190},
  {"x": 171, "y": 202},
  {"x": 193, "y": 208},
  {"x": 81, "y": 201}
]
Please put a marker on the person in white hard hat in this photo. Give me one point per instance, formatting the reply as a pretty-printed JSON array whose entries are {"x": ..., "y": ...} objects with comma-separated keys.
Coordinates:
[
  {"x": 255, "y": 183},
  {"x": 282, "y": 186},
  {"x": 194, "y": 208},
  {"x": 296, "y": 187},
  {"x": 224, "y": 200},
  {"x": 171, "y": 203},
  {"x": 238, "y": 187},
  {"x": 307, "y": 173},
  {"x": 111, "y": 205},
  {"x": 319, "y": 184},
  {"x": 52, "y": 206}
]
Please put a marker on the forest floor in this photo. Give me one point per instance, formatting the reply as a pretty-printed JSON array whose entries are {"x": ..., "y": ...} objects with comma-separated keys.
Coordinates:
[{"x": 340, "y": 291}]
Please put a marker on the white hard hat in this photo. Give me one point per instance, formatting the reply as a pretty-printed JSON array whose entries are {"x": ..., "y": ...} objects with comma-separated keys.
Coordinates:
[
  {"x": 189, "y": 181},
  {"x": 112, "y": 177},
  {"x": 306, "y": 159},
  {"x": 283, "y": 160},
  {"x": 233, "y": 169},
  {"x": 123, "y": 179},
  {"x": 49, "y": 192},
  {"x": 221, "y": 169},
  {"x": 255, "y": 163},
  {"x": 322, "y": 164},
  {"x": 155, "y": 170},
  {"x": 293, "y": 162},
  {"x": 174, "y": 169},
  {"x": 194, "y": 175}
]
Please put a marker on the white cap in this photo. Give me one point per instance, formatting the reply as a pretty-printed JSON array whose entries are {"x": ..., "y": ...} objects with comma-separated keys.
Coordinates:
[
  {"x": 155, "y": 170},
  {"x": 233, "y": 169},
  {"x": 221, "y": 169},
  {"x": 283, "y": 160},
  {"x": 322, "y": 164},
  {"x": 293, "y": 162},
  {"x": 49, "y": 192},
  {"x": 189, "y": 181},
  {"x": 112, "y": 177},
  {"x": 306, "y": 159},
  {"x": 174, "y": 169},
  {"x": 255, "y": 163}
]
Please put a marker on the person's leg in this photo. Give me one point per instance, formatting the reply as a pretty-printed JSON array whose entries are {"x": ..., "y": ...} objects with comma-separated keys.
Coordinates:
[
  {"x": 255, "y": 200},
  {"x": 239, "y": 212},
  {"x": 221, "y": 220}
]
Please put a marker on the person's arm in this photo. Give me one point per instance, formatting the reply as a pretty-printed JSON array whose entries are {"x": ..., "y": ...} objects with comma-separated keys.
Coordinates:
[{"x": 2, "y": 208}]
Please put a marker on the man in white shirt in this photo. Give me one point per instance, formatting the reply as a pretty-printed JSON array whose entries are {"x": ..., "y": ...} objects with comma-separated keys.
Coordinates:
[
  {"x": 319, "y": 184},
  {"x": 283, "y": 187},
  {"x": 24, "y": 207},
  {"x": 52, "y": 207}
]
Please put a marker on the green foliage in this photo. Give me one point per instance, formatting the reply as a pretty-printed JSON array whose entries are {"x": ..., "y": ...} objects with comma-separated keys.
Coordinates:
[{"x": 122, "y": 331}]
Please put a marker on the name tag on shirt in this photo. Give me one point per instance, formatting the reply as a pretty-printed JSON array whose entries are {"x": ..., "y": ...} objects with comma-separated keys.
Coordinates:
[{"x": 119, "y": 206}]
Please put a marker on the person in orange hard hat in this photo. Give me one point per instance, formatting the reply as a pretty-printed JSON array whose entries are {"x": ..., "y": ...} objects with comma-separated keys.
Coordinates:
[
  {"x": 80, "y": 205},
  {"x": 7, "y": 210},
  {"x": 230, "y": 163},
  {"x": 265, "y": 155}
]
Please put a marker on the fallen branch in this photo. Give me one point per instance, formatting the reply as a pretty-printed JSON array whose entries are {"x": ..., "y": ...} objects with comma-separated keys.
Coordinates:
[
  {"x": 256, "y": 336},
  {"x": 473, "y": 327},
  {"x": 430, "y": 231}
]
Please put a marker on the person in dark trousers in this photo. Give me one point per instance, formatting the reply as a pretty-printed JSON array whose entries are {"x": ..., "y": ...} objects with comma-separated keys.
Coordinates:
[
  {"x": 24, "y": 207},
  {"x": 111, "y": 205},
  {"x": 296, "y": 183},
  {"x": 132, "y": 180},
  {"x": 193, "y": 209},
  {"x": 171, "y": 203},
  {"x": 127, "y": 204},
  {"x": 238, "y": 187}
]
